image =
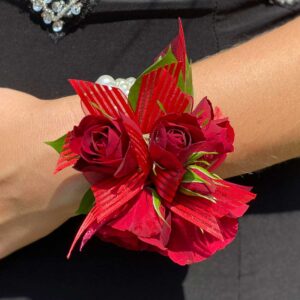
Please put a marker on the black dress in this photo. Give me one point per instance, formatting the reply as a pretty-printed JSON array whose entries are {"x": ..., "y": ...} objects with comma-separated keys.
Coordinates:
[{"x": 121, "y": 38}]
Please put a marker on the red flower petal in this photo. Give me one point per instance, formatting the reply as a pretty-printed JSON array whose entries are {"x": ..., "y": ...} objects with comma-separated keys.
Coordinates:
[
  {"x": 204, "y": 111},
  {"x": 138, "y": 226},
  {"x": 140, "y": 217},
  {"x": 188, "y": 244}
]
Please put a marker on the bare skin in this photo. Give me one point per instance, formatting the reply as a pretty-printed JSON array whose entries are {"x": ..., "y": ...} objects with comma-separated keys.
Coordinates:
[{"x": 256, "y": 84}]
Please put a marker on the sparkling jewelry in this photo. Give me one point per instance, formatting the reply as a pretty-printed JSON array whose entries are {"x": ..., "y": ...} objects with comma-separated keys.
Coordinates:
[
  {"x": 123, "y": 84},
  {"x": 56, "y": 12}
]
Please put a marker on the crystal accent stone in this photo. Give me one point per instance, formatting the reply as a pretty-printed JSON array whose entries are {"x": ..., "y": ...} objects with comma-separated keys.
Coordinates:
[
  {"x": 37, "y": 6},
  {"x": 57, "y": 26},
  {"x": 76, "y": 9},
  {"x": 47, "y": 1},
  {"x": 57, "y": 6},
  {"x": 47, "y": 17}
]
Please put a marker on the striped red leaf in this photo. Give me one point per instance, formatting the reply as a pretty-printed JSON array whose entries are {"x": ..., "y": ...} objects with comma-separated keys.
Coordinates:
[
  {"x": 88, "y": 221},
  {"x": 178, "y": 47},
  {"x": 67, "y": 157},
  {"x": 99, "y": 99},
  {"x": 195, "y": 215},
  {"x": 159, "y": 92}
]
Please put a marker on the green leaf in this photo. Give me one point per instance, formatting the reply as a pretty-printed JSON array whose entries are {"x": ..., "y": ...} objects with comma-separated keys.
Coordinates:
[
  {"x": 204, "y": 171},
  {"x": 186, "y": 85},
  {"x": 57, "y": 144},
  {"x": 189, "y": 79},
  {"x": 157, "y": 205},
  {"x": 86, "y": 204},
  {"x": 191, "y": 176},
  {"x": 196, "y": 155},
  {"x": 194, "y": 194},
  {"x": 204, "y": 162},
  {"x": 167, "y": 59}
]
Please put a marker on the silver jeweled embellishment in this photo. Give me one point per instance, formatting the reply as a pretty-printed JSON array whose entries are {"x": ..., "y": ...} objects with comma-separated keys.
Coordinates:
[{"x": 54, "y": 11}]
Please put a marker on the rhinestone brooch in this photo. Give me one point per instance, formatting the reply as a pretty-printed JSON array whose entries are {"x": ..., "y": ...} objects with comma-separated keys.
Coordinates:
[{"x": 55, "y": 12}]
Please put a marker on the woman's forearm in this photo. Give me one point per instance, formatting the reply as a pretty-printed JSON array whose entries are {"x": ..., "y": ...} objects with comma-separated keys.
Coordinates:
[{"x": 257, "y": 84}]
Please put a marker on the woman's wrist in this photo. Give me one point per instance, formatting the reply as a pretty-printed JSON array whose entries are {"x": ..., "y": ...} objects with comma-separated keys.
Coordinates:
[
  {"x": 256, "y": 85},
  {"x": 60, "y": 116}
]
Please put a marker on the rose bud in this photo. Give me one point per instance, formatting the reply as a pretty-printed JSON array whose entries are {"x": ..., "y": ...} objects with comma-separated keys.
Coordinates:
[
  {"x": 172, "y": 137},
  {"x": 103, "y": 146}
]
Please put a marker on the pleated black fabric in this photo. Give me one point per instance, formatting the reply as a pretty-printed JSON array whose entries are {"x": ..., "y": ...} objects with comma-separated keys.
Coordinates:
[{"x": 121, "y": 38}]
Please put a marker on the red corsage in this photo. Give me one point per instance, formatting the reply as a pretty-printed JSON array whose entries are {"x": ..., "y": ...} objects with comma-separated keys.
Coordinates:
[{"x": 150, "y": 159}]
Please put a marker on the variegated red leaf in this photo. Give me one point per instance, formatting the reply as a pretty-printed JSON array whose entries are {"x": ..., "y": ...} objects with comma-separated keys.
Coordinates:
[
  {"x": 101, "y": 99},
  {"x": 111, "y": 195},
  {"x": 178, "y": 47},
  {"x": 138, "y": 144},
  {"x": 195, "y": 215},
  {"x": 167, "y": 182},
  {"x": 159, "y": 92},
  {"x": 67, "y": 156},
  {"x": 88, "y": 221}
]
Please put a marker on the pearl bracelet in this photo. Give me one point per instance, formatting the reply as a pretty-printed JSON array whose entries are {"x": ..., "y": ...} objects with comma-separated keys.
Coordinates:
[{"x": 123, "y": 84}]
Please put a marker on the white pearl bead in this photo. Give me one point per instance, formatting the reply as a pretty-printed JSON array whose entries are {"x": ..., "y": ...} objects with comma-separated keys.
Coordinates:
[
  {"x": 120, "y": 81},
  {"x": 124, "y": 86},
  {"x": 106, "y": 80},
  {"x": 131, "y": 80}
]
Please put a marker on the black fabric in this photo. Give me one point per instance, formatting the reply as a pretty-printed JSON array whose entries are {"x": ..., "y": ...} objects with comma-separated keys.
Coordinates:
[{"x": 121, "y": 38}]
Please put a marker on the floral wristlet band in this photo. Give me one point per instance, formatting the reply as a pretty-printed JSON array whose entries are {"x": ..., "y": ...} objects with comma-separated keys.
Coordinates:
[{"x": 150, "y": 158}]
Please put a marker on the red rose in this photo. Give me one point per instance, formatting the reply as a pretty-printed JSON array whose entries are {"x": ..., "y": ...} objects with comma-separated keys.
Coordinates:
[
  {"x": 103, "y": 146},
  {"x": 219, "y": 134},
  {"x": 172, "y": 138}
]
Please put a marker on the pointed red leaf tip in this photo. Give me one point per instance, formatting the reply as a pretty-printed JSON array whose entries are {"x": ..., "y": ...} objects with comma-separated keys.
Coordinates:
[
  {"x": 101, "y": 99},
  {"x": 204, "y": 110},
  {"x": 159, "y": 95},
  {"x": 67, "y": 156},
  {"x": 178, "y": 47},
  {"x": 88, "y": 221},
  {"x": 110, "y": 196}
]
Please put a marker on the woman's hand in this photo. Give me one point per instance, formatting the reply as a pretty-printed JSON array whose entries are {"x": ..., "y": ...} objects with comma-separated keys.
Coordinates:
[{"x": 33, "y": 201}]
